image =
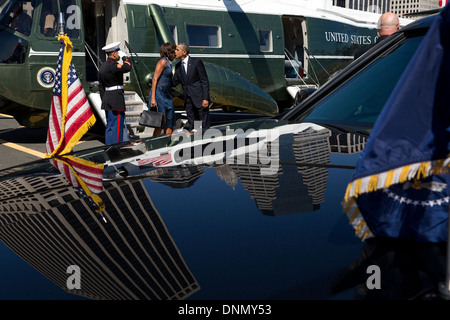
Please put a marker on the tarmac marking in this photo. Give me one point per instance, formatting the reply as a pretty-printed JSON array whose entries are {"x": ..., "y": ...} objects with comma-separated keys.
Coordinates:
[
  {"x": 32, "y": 152},
  {"x": 19, "y": 147},
  {"x": 22, "y": 149}
]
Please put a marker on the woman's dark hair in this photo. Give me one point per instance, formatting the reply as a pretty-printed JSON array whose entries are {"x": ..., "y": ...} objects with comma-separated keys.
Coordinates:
[{"x": 167, "y": 50}]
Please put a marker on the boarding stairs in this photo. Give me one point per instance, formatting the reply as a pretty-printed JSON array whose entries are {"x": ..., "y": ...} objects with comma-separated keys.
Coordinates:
[{"x": 134, "y": 107}]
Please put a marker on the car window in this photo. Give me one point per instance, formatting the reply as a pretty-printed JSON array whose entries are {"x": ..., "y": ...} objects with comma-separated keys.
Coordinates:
[{"x": 358, "y": 102}]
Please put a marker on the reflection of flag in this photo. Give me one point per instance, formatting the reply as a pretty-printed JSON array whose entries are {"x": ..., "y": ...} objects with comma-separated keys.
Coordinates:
[
  {"x": 157, "y": 161},
  {"x": 83, "y": 174},
  {"x": 400, "y": 186},
  {"x": 70, "y": 114}
]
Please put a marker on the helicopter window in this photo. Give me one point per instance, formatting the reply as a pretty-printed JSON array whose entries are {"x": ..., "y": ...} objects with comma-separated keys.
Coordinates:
[
  {"x": 72, "y": 17},
  {"x": 18, "y": 15},
  {"x": 265, "y": 41},
  {"x": 48, "y": 24},
  {"x": 13, "y": 48},
  {"x": 203, "y": 36},
  {"x": 173, "y": 30},
  {"x": 48, "y": 21}
]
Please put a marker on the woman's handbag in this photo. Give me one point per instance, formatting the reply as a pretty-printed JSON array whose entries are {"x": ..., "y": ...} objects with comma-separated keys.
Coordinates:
[{"x": 154, "y": 119}]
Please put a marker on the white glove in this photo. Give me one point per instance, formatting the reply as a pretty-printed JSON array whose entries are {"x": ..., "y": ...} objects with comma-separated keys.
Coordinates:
[{"x": 122, "y": 54}]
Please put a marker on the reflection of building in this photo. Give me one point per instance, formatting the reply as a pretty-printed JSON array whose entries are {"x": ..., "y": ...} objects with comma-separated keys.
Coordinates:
[
  {"x": 401, "y": 7},
  {"x": 226, "y": 173},
  {"x": 27, "y": 196},
  {"x": 313, "y": 147},
  {"x": 294, "y": 188},
  {"x": 347, "y": 143},
  {"x": 132, "y": 256},
  {"x": 260, "y": 187},
  {"x": 376, "y": 6}
]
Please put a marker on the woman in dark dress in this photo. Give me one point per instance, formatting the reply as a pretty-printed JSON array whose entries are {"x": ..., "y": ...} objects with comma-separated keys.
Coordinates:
[{"x": 160, "y": 95}]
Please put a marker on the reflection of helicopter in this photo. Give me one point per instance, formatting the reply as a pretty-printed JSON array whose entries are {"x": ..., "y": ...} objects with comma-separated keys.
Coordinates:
[
  {"x": 253, "y": 156},
  {"x": 227, "y": 144},
  {"x": 253, "y": 50}
]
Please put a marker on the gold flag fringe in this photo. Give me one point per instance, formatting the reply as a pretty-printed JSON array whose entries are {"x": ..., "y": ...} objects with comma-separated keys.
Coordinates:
[
  {"x": 384, "y": 180},
  {"x": 356, "y": 220}
]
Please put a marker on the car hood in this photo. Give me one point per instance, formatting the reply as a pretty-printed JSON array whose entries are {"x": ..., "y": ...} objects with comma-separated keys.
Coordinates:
[{"x": 249, "y": 211}]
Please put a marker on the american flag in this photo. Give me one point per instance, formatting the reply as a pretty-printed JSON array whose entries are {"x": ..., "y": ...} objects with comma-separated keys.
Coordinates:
[
  {"x": 70, "y": 115},
  {"x": 83, "y": 174}
]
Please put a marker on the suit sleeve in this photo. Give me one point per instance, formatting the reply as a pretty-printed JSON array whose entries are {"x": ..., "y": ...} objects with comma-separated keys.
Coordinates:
[{"x": 203, "y": 80}]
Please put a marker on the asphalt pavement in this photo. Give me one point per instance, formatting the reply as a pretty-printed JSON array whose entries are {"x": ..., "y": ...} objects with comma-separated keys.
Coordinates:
[{"x": 20, "y": 145}]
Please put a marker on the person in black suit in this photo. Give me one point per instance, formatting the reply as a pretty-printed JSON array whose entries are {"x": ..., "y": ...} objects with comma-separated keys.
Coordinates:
[{"x": 191, "y": 73}]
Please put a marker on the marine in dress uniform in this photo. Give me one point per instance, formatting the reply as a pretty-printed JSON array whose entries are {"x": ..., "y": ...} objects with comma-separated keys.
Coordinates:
[{"x": 112, "y": 93}]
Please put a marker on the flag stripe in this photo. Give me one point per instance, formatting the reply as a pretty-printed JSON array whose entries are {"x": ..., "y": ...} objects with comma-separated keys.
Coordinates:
[
  {"x": 157, "y": 161},
  {"x": 54, "y": 130},
  {"x": 119, "y": 128}
]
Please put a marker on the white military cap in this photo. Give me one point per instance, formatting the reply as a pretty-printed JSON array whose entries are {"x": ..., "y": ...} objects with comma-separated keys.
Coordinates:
[{"x": 115, "y": 46}]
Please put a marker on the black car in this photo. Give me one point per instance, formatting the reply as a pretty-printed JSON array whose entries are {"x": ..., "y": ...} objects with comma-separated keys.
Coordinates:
[{"x": 251, "y": 211}]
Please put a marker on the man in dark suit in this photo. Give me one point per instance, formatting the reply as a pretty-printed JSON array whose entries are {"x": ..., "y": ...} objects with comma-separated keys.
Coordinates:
[{"x": 191, "y": 73}]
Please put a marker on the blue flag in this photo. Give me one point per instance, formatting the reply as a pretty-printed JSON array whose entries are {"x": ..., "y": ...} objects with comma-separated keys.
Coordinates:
[{"x": 400, "y": 186}]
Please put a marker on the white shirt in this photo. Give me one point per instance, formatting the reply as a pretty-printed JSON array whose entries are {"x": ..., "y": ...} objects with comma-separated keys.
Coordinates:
[{"x": 185, "y": 62}]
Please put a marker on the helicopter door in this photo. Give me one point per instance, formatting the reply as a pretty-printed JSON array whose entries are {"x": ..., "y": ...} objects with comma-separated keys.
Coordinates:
[
  {"x": 295, "y": 39},
  {"x": 94, "y": 35},
  {"x": 105, "y": 22}
]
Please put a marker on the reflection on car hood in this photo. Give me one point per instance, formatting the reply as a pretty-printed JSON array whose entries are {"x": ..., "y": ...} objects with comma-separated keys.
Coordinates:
[{"x": 250, "y": 211}]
